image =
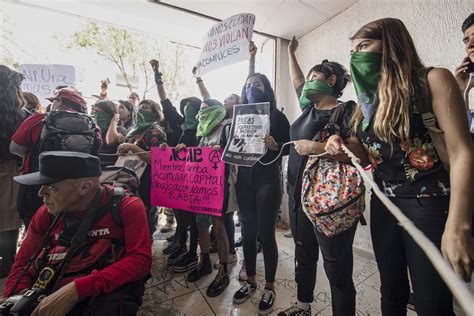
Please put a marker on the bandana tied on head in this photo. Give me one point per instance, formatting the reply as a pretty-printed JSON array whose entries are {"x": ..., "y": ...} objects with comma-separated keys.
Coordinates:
[
  {"x": 209, "y": 118},
  {"x": 145, "y": 120},
  {"x": 102, "y": 119},
  {"x": 254, "y": 95},
  {"x": 312, "y": 87},
  {"x": 190, "y": 120},
  {"x": 365, "y": 71}
]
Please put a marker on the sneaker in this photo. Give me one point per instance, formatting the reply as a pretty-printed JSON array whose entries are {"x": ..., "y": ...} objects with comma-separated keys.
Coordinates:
[
  {"x": 219, "y": 284},
  {"x": 171, "y": 248},
  {"x": 187, "y": 262},
  {"x": 243, "y": 273},
  {"x": 266, "y": 303},
  {"x": 203, "y": 268},
  {"x": 176, "y": 255},
  {"x": 296, "y": 310},
  {"x": 244, "y": 293},
  {"x": 166, "y": 228}
]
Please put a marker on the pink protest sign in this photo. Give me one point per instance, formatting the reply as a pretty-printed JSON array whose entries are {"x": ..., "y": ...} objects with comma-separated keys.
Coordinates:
[{"x": 192, "y": 179}]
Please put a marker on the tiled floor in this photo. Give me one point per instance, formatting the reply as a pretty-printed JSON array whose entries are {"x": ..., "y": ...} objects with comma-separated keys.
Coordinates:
[{"x": 170, "y": 294}]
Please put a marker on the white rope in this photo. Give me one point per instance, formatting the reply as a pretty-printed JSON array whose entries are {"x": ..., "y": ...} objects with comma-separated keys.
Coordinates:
[
  {"x": 455, "y": 284},
  {"x": 281, "y": 151}
]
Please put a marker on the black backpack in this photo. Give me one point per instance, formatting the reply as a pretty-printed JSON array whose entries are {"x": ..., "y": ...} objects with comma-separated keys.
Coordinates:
[{"x": 67, "y": 131}]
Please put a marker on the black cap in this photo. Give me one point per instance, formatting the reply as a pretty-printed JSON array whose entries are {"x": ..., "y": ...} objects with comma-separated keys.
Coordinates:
[{"x": 56, "y": 166}]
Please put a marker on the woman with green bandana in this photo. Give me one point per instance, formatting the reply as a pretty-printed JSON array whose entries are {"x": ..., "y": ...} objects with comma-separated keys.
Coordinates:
[
  {"x": 319, "y": 92},
  {"x": 147, "y": 133},
  {"x": 392, "y": 85},
  {"x": 210, "y": 132},
  {"x": 105, "y": 116}
]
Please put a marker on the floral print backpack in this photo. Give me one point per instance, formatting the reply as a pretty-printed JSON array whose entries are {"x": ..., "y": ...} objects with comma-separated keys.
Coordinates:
[{"x": 332, "y": 195}]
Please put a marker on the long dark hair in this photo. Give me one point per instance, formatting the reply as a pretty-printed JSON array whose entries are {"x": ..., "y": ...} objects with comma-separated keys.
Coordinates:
[
  {"x": 399, "y": 76},
  {"x": 269, "y": 94},
  {"x": 11, "y": 101}
]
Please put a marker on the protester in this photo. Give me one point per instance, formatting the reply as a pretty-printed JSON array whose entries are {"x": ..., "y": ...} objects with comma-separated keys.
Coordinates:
[
  {"x": 408, "y": 168},
  {"x": 210, "y": 131},
  {"x": 189, "y": 108},
  {"x": 77, "y": 209},
  {"x": 463, "y": 76},
  {"x": 127, "y": 115},
  {"x": 11, "y": 101},
  {"x": 318, "y": 96},
  {"x": 37, "y": 134},
  {"x": 50, "y": 106},
  {"x": 107, "y": 118},
  {"x": 147, "y": 133},
  {"x": 259, "y": 195},
  {"x": 134, "y": 99},
  {"x": 31, "y": 106}
]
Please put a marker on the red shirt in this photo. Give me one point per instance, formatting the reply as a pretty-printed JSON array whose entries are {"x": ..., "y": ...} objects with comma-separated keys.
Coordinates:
[
  {"x": 28, "y": 135},
  {"x": 135, "y": 264}
]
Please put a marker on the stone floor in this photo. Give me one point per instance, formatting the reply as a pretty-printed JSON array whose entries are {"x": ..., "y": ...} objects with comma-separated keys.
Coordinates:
[{"x": 169, "y": 293}]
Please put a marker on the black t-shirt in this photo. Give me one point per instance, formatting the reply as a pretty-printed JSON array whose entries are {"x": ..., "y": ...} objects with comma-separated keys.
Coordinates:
[{"x": 306, "y": 126}]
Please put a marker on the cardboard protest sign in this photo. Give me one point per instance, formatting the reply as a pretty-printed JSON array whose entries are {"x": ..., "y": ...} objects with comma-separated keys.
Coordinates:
[
  {"x": 191, "y": 179},
  {"x": 41, "y": 79},
  {"x": 226, "y": 43},
  {"x": 250, "y": 123}
]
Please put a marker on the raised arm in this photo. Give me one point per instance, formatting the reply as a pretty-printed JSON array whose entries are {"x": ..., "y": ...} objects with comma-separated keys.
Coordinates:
[
  {"x": 155, "y": 64},
  {"x": 104, "y": 84},
  {"x": 202, "y": 88},
  {"x": 113, "y": 136},
  {"x": 253, "y": 51},
  {"x": 297, "y": 75}
]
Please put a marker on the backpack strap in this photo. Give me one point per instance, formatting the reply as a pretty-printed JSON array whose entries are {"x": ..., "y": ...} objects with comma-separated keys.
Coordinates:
[{"x": 424, "y": 105}]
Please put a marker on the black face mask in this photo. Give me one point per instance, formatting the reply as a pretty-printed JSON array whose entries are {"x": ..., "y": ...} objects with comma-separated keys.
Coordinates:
[{"x": 254, "y": 95}]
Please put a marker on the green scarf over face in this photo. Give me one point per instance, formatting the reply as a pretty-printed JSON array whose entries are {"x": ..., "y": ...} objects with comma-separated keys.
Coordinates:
[
  {"x": 209, "y": 118},
  {"x": 365, "y": 72},
  {"x": 190, "y": 120},
  {"x": 102, "y": 119},
  {"x": 312, "y": 87},
  {"x": 145, "y": 120}
]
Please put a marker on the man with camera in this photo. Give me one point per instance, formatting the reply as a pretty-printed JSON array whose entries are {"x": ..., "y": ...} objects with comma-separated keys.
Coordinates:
[{"x": 86, "y": 251}]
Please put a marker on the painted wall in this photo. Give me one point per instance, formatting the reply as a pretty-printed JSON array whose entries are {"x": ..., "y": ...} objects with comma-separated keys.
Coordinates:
[{"x": 435, "y": 26}]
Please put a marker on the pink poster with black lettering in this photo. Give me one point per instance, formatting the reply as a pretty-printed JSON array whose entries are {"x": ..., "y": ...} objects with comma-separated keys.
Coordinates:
[{"x": 191, "y": 179}]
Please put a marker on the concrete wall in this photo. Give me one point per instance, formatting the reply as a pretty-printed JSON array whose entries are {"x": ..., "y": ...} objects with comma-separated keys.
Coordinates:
[{"x": 435, "y": 26}]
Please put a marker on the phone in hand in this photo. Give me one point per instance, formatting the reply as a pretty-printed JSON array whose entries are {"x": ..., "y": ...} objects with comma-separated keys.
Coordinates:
[{"x": 470, "y": 67}]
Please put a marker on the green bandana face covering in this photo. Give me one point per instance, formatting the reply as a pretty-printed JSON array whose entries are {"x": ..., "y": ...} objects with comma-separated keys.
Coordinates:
[
  {"x": 209, "y": 118},
  {"x": 145, "y": 120},
  {"x": 313, "y": 87},
  {"x": 190, "y": 120},
  {"x": 102, "y": 120},
  {"x": 365, "y": 72}
]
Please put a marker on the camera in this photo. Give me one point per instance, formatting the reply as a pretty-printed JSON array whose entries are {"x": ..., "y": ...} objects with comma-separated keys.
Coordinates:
[{"x": 25, "y": 304}]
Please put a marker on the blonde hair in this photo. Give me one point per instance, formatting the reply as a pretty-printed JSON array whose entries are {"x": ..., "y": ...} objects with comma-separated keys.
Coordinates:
[{"x": 398, "y": 77}]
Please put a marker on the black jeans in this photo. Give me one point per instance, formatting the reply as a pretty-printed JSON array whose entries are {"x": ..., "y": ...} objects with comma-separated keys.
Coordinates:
[
  {"x": 123, "y": 301},
  {"x": 230, "y": 229},
  {"x": 395, "y": 250},
  {"x": 259, "y": 196},
  {"x": 185, "y": 219},
  {"x": 338, "y": 263}
]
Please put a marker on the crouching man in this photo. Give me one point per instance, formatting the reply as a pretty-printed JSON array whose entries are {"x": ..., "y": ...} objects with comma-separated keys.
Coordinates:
[{"x": 86, "y": 250}]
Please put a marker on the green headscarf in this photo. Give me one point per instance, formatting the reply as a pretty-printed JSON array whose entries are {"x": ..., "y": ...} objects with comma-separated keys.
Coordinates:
[
  {"x": 102, "y": 119},
  {"x": 312, "y": 87},
  {"x": 365, "y": 72},
  {"x": 145, "y": 120},
  {"x": 190, "y": 120},
  {"x": 209, "y": 118}
]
